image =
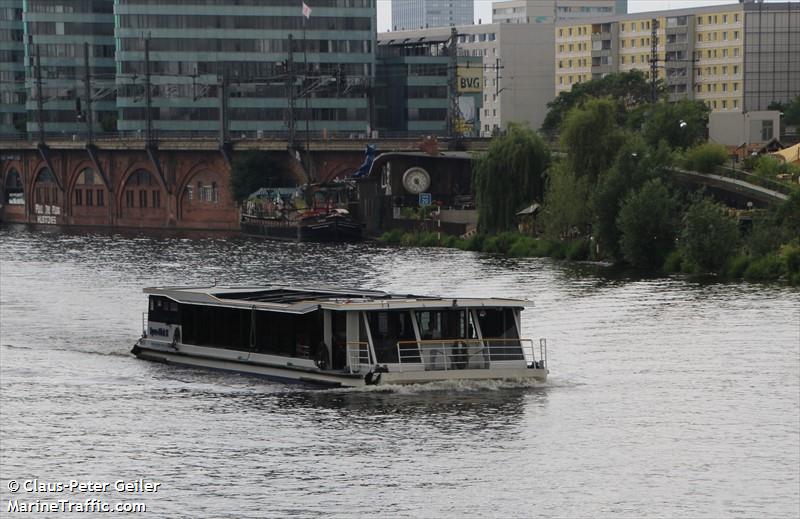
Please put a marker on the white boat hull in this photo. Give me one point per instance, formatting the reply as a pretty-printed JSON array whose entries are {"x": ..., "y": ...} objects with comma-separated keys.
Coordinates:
[{"x": 301, "y": 371}]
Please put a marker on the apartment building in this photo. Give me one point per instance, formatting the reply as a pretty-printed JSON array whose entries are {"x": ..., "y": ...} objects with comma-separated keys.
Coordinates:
[
  {"x": 517, "y": 68},
  {"x": 737, "y": 57},
  {"x": 548, "y": 11},
  {"x": 419, "y": 14},
  {"x": 12, "y": 68}
]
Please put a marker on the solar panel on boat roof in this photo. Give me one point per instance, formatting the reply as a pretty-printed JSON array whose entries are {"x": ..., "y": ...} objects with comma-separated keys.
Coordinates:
[{"x": 291, "y": 296}]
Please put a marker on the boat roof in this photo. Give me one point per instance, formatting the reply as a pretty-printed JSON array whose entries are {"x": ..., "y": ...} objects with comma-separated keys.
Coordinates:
[{"x": 301, "y": 300}]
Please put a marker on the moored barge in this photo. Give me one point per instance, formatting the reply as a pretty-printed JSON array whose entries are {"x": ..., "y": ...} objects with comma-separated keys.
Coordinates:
[{"x": 339, "y": 338}]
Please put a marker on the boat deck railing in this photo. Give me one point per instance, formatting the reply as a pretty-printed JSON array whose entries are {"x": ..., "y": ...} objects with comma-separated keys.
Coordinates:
[
  {"x": 359, "y": 355},
  {"x": 452, "y": 354}
]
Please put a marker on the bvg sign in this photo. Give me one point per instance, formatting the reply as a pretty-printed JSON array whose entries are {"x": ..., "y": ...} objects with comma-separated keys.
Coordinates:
[{"x": 470, "y": 80}]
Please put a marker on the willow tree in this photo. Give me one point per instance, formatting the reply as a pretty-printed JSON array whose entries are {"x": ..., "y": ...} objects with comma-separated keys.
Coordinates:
[{"x": 509, "y": 177}]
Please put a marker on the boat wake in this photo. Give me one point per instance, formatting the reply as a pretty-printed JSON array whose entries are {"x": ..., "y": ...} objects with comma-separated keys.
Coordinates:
[{"x": 446, "y": 386}]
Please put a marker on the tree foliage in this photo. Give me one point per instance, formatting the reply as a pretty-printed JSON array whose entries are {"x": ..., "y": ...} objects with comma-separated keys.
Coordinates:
[
  {"x": 254, "y": 170},
  {"x": 634, "y": 165},
  {"x": 566, "y": 204},
  {"x": 790, "y": 109},
  {"x": 509, "y": 177},
  {"x": 681, "y": 124},
  {"x": 591, "y": 138},
  {"x": 709, "y": 236},
  {"x": 705, "y": 157},
  {"x": 628, "y": 89},
  {"x": 648, "y": 225}
]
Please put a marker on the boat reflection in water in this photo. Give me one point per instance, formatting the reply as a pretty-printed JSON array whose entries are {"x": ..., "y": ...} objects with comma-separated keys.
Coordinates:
[{"x": 339, "y": 338}]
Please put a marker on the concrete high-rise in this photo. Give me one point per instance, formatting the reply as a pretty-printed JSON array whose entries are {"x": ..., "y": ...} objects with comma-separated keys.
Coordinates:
[
  {"x": 420, "y": 14},
  {"x": 547, "y": 11}
]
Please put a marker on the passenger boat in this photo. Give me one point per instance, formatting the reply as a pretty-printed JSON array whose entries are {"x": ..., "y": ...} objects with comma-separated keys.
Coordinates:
[{"x": 339, "y": 338}]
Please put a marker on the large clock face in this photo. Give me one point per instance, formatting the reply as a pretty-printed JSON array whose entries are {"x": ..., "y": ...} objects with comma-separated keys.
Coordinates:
[{"x": 416, "y": 180}]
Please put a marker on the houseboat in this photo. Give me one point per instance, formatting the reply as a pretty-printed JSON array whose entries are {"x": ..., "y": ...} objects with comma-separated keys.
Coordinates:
[{"x": 339, "y": 338}]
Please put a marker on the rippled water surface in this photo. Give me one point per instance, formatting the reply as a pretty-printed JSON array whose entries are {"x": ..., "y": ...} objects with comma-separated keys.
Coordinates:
[{"x": 667, "y": 397}]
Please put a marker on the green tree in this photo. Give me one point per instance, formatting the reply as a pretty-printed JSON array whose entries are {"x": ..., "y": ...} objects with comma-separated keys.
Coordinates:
[
  {"x": 648, "y": 225},
  {"x": 628, "y": 89},
  {"x": 790, "y": 109},
  {"x": 566, "y": 203},
  {"x": 709, "y": 236},
  {"x": 509, "y": 177},
  {"x": 635, "y": 164},
  {"x": 681, "y": 124},
  {"x": 591, "y": 137},
  {"x": 705, "y": 157},
  {"x": 254, "y": 170}
]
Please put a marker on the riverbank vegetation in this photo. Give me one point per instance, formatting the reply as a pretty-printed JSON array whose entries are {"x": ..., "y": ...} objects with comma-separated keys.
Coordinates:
[{"x": 610, "y": 195}]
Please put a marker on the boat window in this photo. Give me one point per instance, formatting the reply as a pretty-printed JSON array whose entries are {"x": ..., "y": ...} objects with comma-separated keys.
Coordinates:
[
  {"x": 445, "y": 324},
  {"x": 387, "y": 329},
  {"x": 500, "y": 334},
  {"x": 163, "y": 310}
]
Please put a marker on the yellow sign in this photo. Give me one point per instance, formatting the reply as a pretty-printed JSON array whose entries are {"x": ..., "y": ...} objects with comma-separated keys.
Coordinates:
[{"x": 469, "y": 80}]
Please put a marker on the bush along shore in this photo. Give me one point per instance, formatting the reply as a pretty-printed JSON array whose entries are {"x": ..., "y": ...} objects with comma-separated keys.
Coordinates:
[{"x": 611, "y": 194}]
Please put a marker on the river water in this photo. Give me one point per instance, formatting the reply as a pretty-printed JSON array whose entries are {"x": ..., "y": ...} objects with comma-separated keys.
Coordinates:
[{"x": 668, "y": 397}]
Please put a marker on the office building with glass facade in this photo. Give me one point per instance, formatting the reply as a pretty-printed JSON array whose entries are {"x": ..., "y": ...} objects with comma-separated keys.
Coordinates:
[
  {"x": 55, "y": 34},
  {"x": 12, "y": 68},
  {"x": 420, "y": 14},
  {"x": 250, "y": 56}
]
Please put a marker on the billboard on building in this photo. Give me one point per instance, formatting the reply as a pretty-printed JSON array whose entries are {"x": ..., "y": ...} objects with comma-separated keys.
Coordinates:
[{"x": 469, "y": 80}]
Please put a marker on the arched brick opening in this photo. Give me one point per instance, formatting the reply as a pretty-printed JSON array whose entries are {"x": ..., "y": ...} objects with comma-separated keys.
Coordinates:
[
  {"x": 142, "y": 200},
  {"x": 48, "y": 199},
  {"x": 89, "y": 196},
  {"x": 205, "y": 201}
]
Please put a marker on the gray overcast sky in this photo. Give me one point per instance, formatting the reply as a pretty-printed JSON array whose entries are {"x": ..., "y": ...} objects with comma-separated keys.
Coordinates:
[{"x": 483, "y": 8}]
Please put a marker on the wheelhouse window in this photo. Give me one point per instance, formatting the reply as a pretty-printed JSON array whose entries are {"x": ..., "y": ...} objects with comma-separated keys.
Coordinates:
[{"x": 390, "y": 328}]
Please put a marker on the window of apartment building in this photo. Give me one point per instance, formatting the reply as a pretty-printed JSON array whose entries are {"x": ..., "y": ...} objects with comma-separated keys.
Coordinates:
[
  {"x": 714, "y": 103},
  {"x": 714, "y": 70},
  {"x": 571, "y": 47},
  {"x": 736, "y": 103},
  {"x": 622, "y": 44},
  {"x": 735, "y": 70},
  {"x": 647, "y": 24},
  {"x": 724, "y": 35},
  {"x": 570, "y": 31},
  {"x": 736, "y": 87},
  {"x": 633, "y": 43},
  {"x": 569, "y": 79},
  {"x": 622, "y": 26},
  {"x": 724, "y": 87},
  {"x": 724, "y": 18},
  {"x": 716, "y": 19},
  {"x": 714, "y": 36},
  {"x": 560, "y": 48},
  {"x": 735, "y": 17},
  {"x": 708, "y": 19},
  {"x": 735, "y": 35},
  {"x": 724, "y": 104},
  {"x": 622, "y": 59},
  {"x": 698, "y": 72},
  {"x": 725, "y": 69},
  {"x": 560, "y": 80},
  {"x": 560, "y": 33},
  {"x": 708, "y": 87},
  {"x": 724, "y": 53},
  {"x": 735, "y": 52},
  {"x": 699, "y": 36}
]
